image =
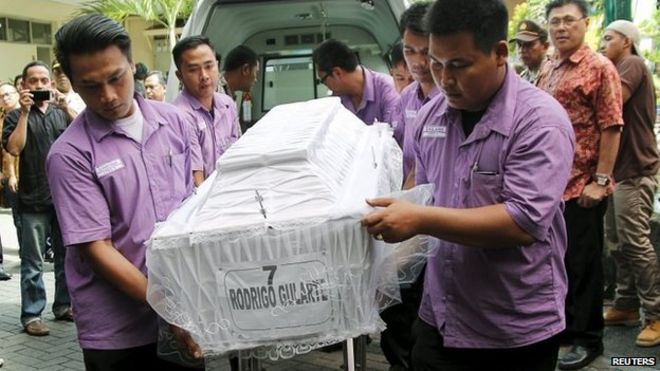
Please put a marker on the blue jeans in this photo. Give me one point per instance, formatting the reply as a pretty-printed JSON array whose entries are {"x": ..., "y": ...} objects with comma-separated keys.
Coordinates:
[{"x": 36, "y": 227}]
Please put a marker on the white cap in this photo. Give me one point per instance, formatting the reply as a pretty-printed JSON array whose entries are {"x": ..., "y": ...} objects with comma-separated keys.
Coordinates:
[{"x": 627, "y": 29}]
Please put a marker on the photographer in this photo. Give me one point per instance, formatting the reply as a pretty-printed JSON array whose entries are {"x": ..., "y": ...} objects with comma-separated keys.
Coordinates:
[{"x": 29, "y": 132}]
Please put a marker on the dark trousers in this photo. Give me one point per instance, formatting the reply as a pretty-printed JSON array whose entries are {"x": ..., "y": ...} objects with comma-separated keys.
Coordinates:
[
  {"x": 584, "y": 300},
  {"x": 133, "y": 359},
  {"x": 397, "y": 340},
  {"x": 429, "y": 354}
]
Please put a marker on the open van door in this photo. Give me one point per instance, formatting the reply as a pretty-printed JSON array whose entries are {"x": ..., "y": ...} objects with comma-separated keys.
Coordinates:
[{"x": 285, "y": 32}]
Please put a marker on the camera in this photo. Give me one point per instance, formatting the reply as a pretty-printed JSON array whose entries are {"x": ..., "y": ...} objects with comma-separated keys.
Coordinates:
[{"x": 41, "y": 95}]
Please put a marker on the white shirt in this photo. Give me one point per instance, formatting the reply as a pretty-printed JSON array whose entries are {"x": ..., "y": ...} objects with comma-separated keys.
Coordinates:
[{"x": 132, "y": 125}]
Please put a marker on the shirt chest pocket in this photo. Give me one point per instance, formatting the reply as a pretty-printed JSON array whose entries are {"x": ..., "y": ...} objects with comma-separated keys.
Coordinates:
[
  {"x": 485, "y": 177},
  {"x": 485, "y": 188},
  {"x": 171, "y": 176}
]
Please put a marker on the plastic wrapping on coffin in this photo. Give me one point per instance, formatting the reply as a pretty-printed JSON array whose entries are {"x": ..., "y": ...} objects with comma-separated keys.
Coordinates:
[{"x": 269, "y": 254}]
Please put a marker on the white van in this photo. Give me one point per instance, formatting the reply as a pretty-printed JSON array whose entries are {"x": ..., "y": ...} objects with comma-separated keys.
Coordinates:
[{"x": 285, "y": 32}]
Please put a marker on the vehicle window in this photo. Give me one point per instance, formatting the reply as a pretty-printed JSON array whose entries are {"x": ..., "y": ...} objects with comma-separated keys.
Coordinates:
[{"x": 287, "y": 80}]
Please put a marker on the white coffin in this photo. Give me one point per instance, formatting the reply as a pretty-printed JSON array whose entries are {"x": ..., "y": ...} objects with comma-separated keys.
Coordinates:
[{"x": 269, "y": 252}]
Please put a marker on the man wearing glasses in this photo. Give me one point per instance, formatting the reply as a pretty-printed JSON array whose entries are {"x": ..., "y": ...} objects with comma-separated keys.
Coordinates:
[
  {"x": 532, "y": 42},
  {"x": 588, "y": 87},
  {"x": 370, "y": 95}
]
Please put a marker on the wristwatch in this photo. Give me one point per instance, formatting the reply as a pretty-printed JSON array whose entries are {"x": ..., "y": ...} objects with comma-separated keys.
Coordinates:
[{"x": 602, "y": 180}]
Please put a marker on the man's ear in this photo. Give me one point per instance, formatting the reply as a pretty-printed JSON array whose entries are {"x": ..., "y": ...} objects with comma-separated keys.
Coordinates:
[
  {"x": 246, "y": 70},
  {"x": 627, "y": 43},
  {"x": 178, "y": 74},
  {"x": 337, "y": 72},
  {"x": 501, "y": 52},
  {"x": 133, "y": 68}
]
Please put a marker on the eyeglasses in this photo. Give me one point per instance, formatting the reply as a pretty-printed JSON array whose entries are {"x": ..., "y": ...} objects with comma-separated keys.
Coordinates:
[
  {"x": 322, "y": 79},
  {"x": 568, "y": 21}
]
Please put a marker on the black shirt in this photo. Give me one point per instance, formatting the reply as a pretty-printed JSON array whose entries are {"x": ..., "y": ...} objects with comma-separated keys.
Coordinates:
[{"x": 43, "y": 129}]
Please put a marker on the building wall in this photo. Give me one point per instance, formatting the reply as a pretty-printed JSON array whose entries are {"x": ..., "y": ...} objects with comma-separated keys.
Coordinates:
[
  {"x": 16, "y": 55},
  {"x": 141, "y": 44},
  {"x": 13, "y": 56}
]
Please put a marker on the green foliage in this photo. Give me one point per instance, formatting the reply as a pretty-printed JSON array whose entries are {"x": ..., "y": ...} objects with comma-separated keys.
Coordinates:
[
  {"x": 520, "y": 13},
  {"x": 533, "y": 10},
  {"x": 596, "y": 26},
  {"x": 595, "y": 30},
  {"x": 160, "y": 11},
  {"x": 164, "y": 12},
  {"x": 651, "y": 28}
]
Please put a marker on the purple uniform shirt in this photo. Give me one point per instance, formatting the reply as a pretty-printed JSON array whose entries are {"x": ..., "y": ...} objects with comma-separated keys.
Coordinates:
[
  {"x": 412, "y": 99},
  {"x": 107, "y": 186},
  {"x": 520, "y": 155},
  {"x": 215, "y": 132},
  {"x": 379, "y": 99}
]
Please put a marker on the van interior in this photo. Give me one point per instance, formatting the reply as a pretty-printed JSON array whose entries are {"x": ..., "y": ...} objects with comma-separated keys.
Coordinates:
[{"x": 285, "y": 32}]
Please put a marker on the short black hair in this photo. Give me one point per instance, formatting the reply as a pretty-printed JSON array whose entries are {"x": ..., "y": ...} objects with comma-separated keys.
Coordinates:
[
  {"x": 581, "y": 4},
  {"x": 239, "y": 56},
  {"x": 16, "y": 78},
  {"x": 87, "y": 34},
  {"x": 413, "y": 18},
  {"x": 486, "y": 20},
  {"x": 159, "y": 75},
  {"x": 141, "y": 71},
  {"x": 33, "y": 64},
  {"x": 396, "y": 54},
  {"x": 333, "y": 53},
  {"x": 187, "y": 43}
]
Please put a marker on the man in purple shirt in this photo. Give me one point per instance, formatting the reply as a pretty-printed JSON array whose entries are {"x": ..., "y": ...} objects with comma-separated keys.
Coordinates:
[
  {"x": 122, "y": 166},
  {"x": 415, "y": 51},
  {"x": 370, "y": 95},
  {"x": 213, "y": 115},
  {"x": 499, "y": 152},
  {"x": 399, "y": 71},
  {"x": 397, "y": 340}
]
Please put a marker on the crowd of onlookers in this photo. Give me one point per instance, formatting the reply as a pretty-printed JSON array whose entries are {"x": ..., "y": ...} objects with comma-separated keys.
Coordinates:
[{"x": 536, "y": 172}]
